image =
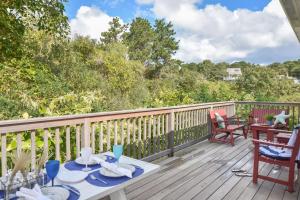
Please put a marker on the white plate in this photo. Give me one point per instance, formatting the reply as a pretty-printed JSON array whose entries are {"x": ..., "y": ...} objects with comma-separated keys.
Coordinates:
[
  {"x": 71, "y": 176},
  {"x": 106, "y": 172},
  {"x": 56, "y": 193},
  {"x": 79, "y": 160}
]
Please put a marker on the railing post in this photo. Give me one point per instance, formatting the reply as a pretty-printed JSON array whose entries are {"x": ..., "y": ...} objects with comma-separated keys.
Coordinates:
[
  {"x": 209, "y": 124},
  {"x": 86, "y": 133},
  {"x": 171, "y": 122}
]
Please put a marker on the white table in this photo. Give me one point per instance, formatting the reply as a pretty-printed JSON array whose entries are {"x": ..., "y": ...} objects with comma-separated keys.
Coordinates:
[{"x": 91, "y": 192}]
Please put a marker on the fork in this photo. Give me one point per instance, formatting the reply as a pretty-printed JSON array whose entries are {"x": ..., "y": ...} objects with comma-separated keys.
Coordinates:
[
  {"x": 71, "y": 189},
  {"x": 93, "y": 177}
]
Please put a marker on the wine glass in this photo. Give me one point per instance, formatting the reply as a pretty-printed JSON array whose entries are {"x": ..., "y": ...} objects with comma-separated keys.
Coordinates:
[
  {"x": 52, "y": 168},
  {"x": 86, "y": 155},
  {"x": 255, "y": 120},
  {"x": 118, "y": 151}
]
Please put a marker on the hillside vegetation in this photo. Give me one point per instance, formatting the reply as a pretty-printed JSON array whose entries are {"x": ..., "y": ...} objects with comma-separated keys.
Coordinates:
[{"x": 45, "y": 73}]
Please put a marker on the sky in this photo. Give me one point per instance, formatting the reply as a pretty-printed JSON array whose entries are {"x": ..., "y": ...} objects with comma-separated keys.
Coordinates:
[{"x": 255, "y": 31}]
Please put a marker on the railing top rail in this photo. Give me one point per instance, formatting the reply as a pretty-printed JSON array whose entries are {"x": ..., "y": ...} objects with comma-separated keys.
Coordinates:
[
  {"x": 124, "y": 114},
  {"x": 267, "y": 103}
]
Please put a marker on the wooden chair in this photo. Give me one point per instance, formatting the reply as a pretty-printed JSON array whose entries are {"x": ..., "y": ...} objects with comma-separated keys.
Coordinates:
[
  {"x": 290, "y": 162},
  {"x": 260, "y": 114},
  {"x": 229, "y": 130}
]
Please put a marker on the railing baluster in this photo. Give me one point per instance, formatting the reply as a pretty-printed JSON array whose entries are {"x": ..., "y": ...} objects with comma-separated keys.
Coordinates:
[
  {"x": 171, "y": 133},
  {"x": 115, "y": 132},
  {"x": 108, "y": 136},
  {"x": 186, "y": 127},
  {"x": 154, "y": 134},
  {"x": 128, "y": 137},
  {"x": 191, "y": 125},
  {"x": 46, "y": 147},
  {"x": 158, "y": 133},
  {"x": 167, "y": 131},
  {"x": 180, "y": 128},
  {"x": 176, "y": 128},
  {"x": 293, "y": 108},
  {"x": 163, "y": 132},
  {"x": 86, "y": 133},
  {"x": 198, "y": 113},
  {"x": 149, "y": 135},
  {"x": 145, "y": 128},
  {"x": 3, "y": 154},
  {"x": 101, "y": 137},
  {"x": 33, "y": 153},
  {"x": 57, "y": 144},
  {"x": 139, "y": 138},
  {"x": 78, "y": 128},
  {"x": 93, "y": 138},
  {"x": 194, "y": 124},
  {"x": 134, "y": 137},
  {"x": 122, "y": 132},
  {"x": 68, "y": 143},
  {"x": 145, "y": 136},
  {"x": 19, "y": 143}
]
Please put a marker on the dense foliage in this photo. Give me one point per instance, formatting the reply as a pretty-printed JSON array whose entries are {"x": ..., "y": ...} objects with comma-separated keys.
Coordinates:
[{"x": 45, "y": 73}]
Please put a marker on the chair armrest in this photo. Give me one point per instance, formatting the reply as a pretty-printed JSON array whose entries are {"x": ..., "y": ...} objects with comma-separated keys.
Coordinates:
[
  {"x": 279, "y": 130},
  {"x": 257, "y": 142},
  {"x": 234, "y": 117},
  {"x": 237, "y": 118}
]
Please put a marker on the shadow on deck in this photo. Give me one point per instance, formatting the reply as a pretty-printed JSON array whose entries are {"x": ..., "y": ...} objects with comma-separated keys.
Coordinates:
[{"x": 203, "y": 171}]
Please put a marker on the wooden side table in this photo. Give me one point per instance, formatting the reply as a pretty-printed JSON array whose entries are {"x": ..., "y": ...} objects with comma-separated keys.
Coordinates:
[{"x": 261, "y": 128}]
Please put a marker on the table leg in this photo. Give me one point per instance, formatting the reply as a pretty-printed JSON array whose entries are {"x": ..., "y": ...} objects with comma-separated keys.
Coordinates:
[
  {"x": 118, "y": 195},
  {"x": 255, "y": 134}
]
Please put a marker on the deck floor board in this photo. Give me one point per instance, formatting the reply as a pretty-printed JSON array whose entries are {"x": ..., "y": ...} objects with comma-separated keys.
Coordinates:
[{"x": 203, "y": 171}]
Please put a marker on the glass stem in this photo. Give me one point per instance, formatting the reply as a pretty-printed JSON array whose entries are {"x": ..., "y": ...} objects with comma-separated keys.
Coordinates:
[{"x": 52, "y": 182}]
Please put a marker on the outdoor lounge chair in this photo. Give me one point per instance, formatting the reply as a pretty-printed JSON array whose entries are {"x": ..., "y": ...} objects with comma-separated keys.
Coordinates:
[
  {"x": 260, "y": 115},
  {"x": 278, "y": 154},
  {"x": 229, "y": 129}
]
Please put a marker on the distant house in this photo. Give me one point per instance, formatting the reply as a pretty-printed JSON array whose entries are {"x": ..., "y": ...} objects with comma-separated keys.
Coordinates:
[{"x": 233, "y": 74}]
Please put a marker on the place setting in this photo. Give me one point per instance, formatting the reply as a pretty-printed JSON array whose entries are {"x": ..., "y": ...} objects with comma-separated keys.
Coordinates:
[
  {"x": 113, "y": 173},
  {"x": 56, "y": 180},
  {"x": 49, "y": 190},
  {"x": 87, "y": 161},
  {"x": 21, "y": 183}
]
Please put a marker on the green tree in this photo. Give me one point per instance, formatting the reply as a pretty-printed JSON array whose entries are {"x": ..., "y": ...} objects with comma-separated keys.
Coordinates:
[
  {"x": 164, "y": 45},
  {"x": 16, "y": 17},
  {"x": 139, "y": 40},
  {"x": 213, "y": 71},
  {"x": 84, "y": 46},
  {"x": 264, "y": 84},
  {"x": 114, "y": 33}
]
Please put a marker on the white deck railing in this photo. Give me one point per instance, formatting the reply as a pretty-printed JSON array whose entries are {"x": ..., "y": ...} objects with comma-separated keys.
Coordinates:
[{"x": 145, "y": 134}]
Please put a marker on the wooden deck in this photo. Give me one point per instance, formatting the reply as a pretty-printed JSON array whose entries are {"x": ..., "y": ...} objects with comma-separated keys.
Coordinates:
[{"x": 203, "y": 171}]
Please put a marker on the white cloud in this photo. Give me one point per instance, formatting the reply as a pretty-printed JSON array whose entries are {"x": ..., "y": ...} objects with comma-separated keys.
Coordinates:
[
  {"x": 220, "y": 34},
  {"x": 90, "y": 21}
]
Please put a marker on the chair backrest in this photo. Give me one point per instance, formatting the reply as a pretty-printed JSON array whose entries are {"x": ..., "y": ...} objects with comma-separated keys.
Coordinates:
[
  {"x": 212, "y": 115},
  {"x": 260, "y": 114}
]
